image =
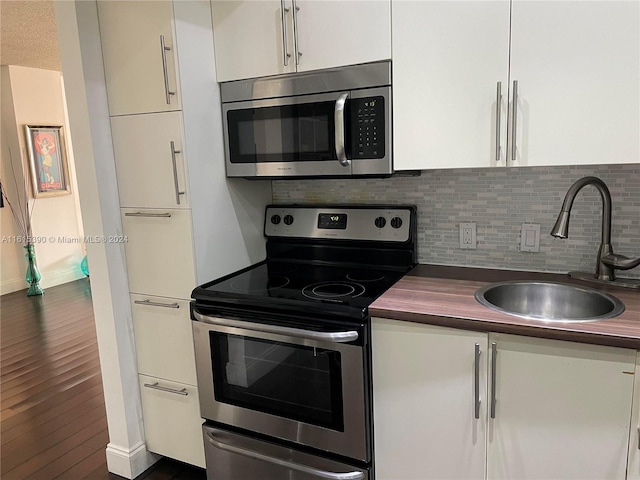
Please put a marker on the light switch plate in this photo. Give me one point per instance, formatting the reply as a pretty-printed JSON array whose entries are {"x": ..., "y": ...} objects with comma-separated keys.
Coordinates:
[{"x": 530, "y": 237}]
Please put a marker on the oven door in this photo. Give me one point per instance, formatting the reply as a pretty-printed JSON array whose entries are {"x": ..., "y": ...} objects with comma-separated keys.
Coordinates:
[
  {"x": 298, "y": 385},
  {"x": 329, "y": 134}
]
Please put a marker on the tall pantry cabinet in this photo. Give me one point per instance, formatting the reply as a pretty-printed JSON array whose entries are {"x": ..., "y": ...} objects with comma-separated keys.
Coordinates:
[{"x": 184, "y": 222}]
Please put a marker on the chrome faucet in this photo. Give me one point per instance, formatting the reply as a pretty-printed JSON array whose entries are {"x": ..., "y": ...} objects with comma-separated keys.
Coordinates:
[{"x": 607, "y": 261}]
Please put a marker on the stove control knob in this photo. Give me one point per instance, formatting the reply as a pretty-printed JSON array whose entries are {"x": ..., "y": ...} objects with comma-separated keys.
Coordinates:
[
  {"x": 396, "y": 222},
  {"x": 275, "y": 219},
  {"x": 288, "y": 219},
  {"x": 380, "y": 222}
]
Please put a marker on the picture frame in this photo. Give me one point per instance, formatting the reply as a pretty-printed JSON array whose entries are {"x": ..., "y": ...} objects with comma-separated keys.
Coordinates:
[{"x": 47, "y": 160}]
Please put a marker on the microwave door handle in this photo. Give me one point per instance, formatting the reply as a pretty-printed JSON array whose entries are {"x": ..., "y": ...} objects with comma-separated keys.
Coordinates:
[
  {"x": 339, "y": 129},
  {"x": 315, "y": 472}
]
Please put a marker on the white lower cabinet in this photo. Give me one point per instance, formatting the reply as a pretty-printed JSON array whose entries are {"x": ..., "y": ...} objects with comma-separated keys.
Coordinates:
[
  {"x": 548, "y": 409},
  {"x": 159, "y": 250},
  {"x": 164, "y": 341},
  {"x": 633, "y": 466},
  {"x": 172, "y": 422}
]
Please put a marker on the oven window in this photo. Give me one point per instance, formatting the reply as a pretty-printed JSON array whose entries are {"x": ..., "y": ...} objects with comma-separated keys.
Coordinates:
[
  {"x": 292, "y": 381},
  {"x": 284, "y": 133}
]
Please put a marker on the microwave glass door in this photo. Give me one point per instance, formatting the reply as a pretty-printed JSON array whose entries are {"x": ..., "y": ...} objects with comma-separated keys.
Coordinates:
[
  {"x": 282, "y": 133},
  {"x": 298, "y": 382}
]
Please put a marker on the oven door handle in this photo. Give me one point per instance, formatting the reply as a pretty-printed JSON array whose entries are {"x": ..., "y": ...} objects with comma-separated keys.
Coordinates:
[
  {"x": 335, "y": 337},
  {"x": 283, "y": 463}
]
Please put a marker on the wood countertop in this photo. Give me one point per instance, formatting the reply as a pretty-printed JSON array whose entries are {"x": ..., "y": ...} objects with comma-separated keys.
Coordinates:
[{"x": 443, "y": 295}]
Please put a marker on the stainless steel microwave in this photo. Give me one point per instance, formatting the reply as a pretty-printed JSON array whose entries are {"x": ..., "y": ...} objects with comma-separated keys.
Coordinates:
[{"x": 327, "y": 123}]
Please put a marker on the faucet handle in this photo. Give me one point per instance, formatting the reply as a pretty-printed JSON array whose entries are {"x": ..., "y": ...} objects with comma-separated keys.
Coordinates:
[{"x": 620, "y": 261}]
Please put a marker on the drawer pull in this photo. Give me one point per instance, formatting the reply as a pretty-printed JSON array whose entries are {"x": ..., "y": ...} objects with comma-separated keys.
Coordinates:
[
  {"x": 156, "y": 386},
  {"x": 152, "y": 215},
  {"x": 157, "y": 304}
]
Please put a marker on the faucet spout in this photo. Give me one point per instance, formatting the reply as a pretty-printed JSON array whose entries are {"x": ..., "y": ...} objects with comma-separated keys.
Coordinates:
[{"x": 604, "y": 271}]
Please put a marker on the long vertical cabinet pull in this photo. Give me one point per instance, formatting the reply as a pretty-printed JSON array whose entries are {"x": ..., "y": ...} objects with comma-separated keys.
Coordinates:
[
  {"x": 167, "y": 91},
  {"x": 476, "y": 383},
  {"x": 296, "y": 9},
  {"x": 498, "y": 104},
  {"x": 494, "y": 355},
  {"x": 514, "y": 120},
  {"x": 283, "y": 11},
  {"x": 174, "y": 152}
]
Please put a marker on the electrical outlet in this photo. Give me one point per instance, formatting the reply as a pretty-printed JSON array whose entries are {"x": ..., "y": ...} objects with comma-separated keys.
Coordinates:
[{"x": 468, "y": 236}]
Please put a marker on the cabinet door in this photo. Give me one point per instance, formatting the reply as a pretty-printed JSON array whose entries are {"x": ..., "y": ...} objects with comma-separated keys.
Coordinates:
[
  {"x": 139, "y": 73},
  {"x": 172, "y": 423},
  {"x": 562, "y": 410},
  {"x": 150, "y": 164},
  {"x": 164, "y": 341},
  {"x": 333, "y": 34},
  {"x": 448, "y": 58},
  {"x": 633, "y": 466},
  {"x": 251, "y": 39},
  {"x": 159, "y": 252},
  {"x": 424, "y": 401},
  {"x": 576, "y": 63}
]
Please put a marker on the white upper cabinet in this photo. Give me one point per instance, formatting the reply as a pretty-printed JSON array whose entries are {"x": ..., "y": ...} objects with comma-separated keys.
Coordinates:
[
  {"x": 150, "y": 160},
  {"x": 577, "y": 64},
  {"x": 138, "y": 48},
  {"x": 260, "y": 38},
  {"x": 448, "y": 58},
  {"x": 568, "y": 71}
]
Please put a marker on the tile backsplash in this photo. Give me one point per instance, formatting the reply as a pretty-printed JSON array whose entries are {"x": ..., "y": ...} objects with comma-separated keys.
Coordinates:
[{"x": 499, "y": 201}]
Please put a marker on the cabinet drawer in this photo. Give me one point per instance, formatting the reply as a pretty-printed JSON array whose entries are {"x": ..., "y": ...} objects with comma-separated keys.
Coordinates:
[
  {"x": 150, "y": 164},
  {"x": 164, "y": 342},
  {"x": 159, "y": 252},
  {"x": 172, "y": 423}
]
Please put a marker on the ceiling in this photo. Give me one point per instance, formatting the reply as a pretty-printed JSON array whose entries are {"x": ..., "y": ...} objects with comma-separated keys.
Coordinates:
[{"x": 28, "y": 35}]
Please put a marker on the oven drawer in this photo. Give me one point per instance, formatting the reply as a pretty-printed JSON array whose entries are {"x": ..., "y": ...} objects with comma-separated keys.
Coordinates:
[
  {"x": 164, "y": 342},
  {"x": 172, "y": 423},
  {"x": 231, "y": 456}
]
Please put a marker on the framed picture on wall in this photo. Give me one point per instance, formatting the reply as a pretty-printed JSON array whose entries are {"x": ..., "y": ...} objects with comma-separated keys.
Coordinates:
[{"x": 47, "y": 161}]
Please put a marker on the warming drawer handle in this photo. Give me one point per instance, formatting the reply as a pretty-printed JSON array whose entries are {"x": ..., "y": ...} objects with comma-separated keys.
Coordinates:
[
  {"x": 151, "y": 215},
  {"x": 157, "y": 386},
  {"x": 338, "y": 118},
  {"x": 283, "y": 463},
  {"x": 335, "y": 337}
]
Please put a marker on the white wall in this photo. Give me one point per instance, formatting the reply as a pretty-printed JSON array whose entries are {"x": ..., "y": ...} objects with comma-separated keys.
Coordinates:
[{"x": 35, "y": 97}]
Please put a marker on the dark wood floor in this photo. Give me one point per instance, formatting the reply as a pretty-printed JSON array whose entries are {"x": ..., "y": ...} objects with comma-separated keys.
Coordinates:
[{"x": 53, "y": 422}]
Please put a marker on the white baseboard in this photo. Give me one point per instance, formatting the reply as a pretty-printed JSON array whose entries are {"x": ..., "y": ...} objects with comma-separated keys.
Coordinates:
[
  {"x": 48, "y": 280},
  {"x": 129, "y": 463}
]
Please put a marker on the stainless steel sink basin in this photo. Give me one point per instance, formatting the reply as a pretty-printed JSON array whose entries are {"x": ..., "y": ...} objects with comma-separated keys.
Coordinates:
[{"x": 550, "y": 302}]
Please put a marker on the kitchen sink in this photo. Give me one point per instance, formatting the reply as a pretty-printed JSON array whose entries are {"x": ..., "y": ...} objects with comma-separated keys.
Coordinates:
[{"x": 549, "y": 302}]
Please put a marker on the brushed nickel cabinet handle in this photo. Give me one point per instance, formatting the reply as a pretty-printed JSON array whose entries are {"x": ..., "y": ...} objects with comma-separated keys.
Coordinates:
[
  {"x": 286, "y": 54},
  {"x": 477, "y": 382},
  {"x": 157, "y": 304},
  {"x": 498, "y": 103},
  {"x": 296, "y": 43},
  {"x": 167, "y": 90},
  {"x": 514, "y": 120},
  {"x": 152, "y": 215},
  {"x": 494, "y": 355},
  {"x": 174, "y": 152},
  {"x": 157, "y": 386}
]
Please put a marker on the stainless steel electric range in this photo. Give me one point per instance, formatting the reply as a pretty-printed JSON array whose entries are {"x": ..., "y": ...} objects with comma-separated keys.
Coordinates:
[{"x": 283, "y": 347}]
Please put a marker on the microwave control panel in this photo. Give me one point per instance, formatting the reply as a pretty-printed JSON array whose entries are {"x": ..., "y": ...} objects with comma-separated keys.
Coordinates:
[{"x": 368, "y": 127}]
